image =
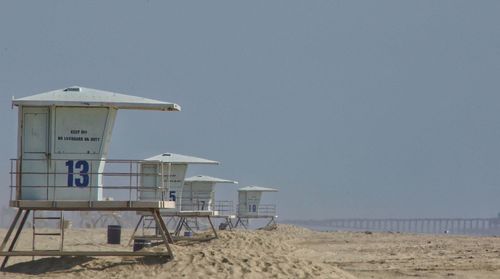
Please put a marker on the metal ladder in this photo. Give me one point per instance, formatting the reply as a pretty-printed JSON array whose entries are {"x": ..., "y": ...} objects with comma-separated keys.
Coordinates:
[
  {"x": 149, "y": 223},
  {"x": 60, "y": 233}
]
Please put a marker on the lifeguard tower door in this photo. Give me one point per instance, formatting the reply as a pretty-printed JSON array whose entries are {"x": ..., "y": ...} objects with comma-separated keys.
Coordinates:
[{"x": 34, "y": 150}]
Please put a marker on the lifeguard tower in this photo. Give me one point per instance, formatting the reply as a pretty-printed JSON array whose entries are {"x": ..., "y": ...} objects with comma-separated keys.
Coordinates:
[
  {"x": 63, "y": 141},
  {"x": 164, "y": 179},
  {"x": 250, "y": 206},
  {"x": 199, "y": 195}
]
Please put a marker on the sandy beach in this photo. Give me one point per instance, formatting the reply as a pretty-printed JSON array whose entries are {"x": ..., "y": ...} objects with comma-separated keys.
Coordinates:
[{"x": 288, "y": 252}]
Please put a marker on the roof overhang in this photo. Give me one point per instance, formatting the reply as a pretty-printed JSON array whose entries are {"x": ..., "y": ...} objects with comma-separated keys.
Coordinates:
[
  {"x": 180, "y": 159},
  {"x": 257, "y": 189},
  {"x": 77, "y": 96},
  {"x": 209, "y": 179}
]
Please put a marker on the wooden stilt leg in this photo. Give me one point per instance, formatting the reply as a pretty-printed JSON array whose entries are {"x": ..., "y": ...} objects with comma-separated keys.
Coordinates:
[
  {"x": 270, "y": 222},
  {"x": 186, "y": 225},
  {"x": 135, "y": 230},
  {"x": 213, "y": 228},
  {"x": 183, "y": 225},
  {"x": 14, "y": 240},
  {"x": 179, "y": 226},
  {"x": 176, "y": 226},
  {"x": 229, "y": 223},
  {"x": 163, "y": 231},
  {"x": 169, "y": 236},
  {"x": 11, "y": 229},
  {"x": 239, "y": 221},
  {"x": 243, "y": 224}
]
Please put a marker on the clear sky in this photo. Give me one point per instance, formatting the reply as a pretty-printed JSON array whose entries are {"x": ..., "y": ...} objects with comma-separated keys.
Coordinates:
[{"x": 350, "y": 108}]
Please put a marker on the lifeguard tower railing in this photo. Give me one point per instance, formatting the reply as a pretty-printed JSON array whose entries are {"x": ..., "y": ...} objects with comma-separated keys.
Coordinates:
[
  {"x": 119, "y": 179},
  {"x": 257, "y": 211},
  {"x": 194, "y": 205},
  {"x": 197, "y": 201},
  {"x": 58, "y": 191},
  {"x": 206, "y": 202},
  {"x": 224, "y": 208}
]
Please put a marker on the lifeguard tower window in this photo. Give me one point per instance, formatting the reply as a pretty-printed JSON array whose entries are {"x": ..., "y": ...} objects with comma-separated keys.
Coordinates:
[{"x": 35, "y": 130}]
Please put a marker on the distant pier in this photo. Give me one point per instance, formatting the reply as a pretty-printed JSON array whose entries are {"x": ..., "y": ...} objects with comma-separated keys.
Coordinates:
[{"x": 479, "y": 226}]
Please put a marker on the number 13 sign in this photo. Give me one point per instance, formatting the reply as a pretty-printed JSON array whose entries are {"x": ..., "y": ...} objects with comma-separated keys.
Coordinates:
[{"x": 83, "y": 167}]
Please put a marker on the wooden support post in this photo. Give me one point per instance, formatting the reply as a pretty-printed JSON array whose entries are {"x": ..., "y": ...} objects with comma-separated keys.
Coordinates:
[
  {"x": 239, "y": 221},
  {"x": 229, "y": 223},
  {"x": 163, "y": 231},
  {"x": 179, "y": 226},
  {"x": 212, "y": 225},
  {"x": 16, "y": 236},
  {"x": 11, "y": 229}
]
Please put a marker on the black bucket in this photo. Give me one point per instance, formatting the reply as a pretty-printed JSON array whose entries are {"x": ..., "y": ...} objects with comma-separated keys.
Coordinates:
[
  {"x": 140, "y": 243},
  {"x": 114, "y": 234}
]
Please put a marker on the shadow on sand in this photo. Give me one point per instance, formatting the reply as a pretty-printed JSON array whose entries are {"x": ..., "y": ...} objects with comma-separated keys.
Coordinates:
[{"x": 77, "y": 264}]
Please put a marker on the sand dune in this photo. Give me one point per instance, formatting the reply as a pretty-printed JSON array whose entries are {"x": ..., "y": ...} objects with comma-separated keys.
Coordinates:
[{"x": 288, "y": 252}]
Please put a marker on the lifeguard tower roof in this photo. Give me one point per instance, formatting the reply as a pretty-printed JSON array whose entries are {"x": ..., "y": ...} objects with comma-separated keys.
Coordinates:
[
  {"x": 77, "y": 96},
  {"x": 205, "y": 178},
  {"x": 257, "y": 189},
  {"x": 180, "y": 159}
]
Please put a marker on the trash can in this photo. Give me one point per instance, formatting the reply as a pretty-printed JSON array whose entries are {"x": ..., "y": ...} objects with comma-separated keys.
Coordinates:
[
  {"x": 114, "y": 234},
  {"x": 188, "y": 233},
  {"x": 140, "y": 243},
  {"x": 222, "y": 226}
]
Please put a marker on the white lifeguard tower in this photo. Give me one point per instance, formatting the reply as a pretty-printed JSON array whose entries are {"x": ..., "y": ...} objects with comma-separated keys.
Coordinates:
[
  {"x": 63, "y": 141},
  {"x": 250, "y": 206},
  {"x": 164, "y": 179},
  {"x": 199, "y": 195}
]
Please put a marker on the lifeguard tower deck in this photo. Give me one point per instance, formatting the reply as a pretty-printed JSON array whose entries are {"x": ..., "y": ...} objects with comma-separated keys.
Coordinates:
[
  {"x": 199, "y": 194},
  {"x": 166, "y": 181},
  {"x": 63, "y": 141},
  {"x": 250, "y": 206}
]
